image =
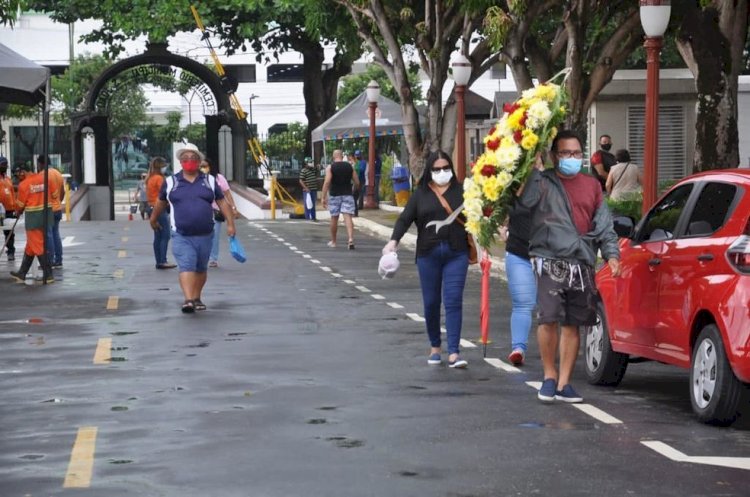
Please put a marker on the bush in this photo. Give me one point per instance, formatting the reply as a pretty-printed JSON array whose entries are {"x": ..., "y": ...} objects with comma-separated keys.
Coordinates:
[
  {"x": 630, "y": 206},
  {"x": 386, "y": 184}
]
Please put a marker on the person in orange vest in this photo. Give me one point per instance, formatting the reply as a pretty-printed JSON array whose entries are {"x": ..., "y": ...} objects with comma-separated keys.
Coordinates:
[
  {"x": 8, "y": 201},
  {"x": 54, "y": 245},
  {"x": 31, "y": 201}
]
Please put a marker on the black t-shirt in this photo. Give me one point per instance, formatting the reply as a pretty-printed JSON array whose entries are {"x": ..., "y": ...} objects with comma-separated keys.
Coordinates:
[
  {"x": 341, "y": 179},
  {"x": 519, "y": 231}
]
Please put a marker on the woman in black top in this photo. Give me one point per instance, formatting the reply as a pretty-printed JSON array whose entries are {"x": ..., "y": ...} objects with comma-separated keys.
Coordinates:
[{"x": 442, "y": 256}]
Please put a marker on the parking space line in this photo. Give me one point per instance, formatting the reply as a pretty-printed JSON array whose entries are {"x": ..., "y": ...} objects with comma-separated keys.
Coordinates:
[
  {"x": 377, "y": 296},
  {"x": 597, "y": 414},
  {"x": 292, "y": 247},
  {"x": 349, "y": 282},
  {"x": 536, "y": 385},
  {"x": 493, "y": 361},
  {"x": 315, "y": 261},
  {"x": 677, "y": 456},
  {"x": 395, "y": 305},
  {"x": 119, "y": 273},
  {"x": 103, "y": 353},
  {"x": 415, "y": 317},
  {"x": 113, "y": 303},
  {"x": 362, "y": 289},
  {"x": 325, "y": 268},
  {"x": 81, "y": 459},
  {"x": 121, "y": 254},
  {"x": 467, "y": 344},
  {"x": 336, "y": 275},
  {"x": 307, "y": 256}
]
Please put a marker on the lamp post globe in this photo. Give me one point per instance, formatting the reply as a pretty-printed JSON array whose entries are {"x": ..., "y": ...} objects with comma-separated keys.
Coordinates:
[
  {"x": 654, "y": 19},
  {"x": 461, "y": 67},
  {"x": 373, "y": 95}
]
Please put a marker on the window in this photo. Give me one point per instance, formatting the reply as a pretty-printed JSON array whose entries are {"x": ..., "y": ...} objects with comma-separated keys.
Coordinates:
[
  {"x": 672, "y": 139},
  {"x": 285, "y": 73},
  {"x": 242, "y": 73},
  {"x": 711, "y": 209},
  {"x": 661, "y": 222}
]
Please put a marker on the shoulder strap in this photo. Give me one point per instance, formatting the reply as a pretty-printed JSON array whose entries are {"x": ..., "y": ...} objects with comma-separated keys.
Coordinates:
[
  {"x": 625, "y": 169},
  {"x": 171, "y": 185},
  {"x": 444, "y": 202}
]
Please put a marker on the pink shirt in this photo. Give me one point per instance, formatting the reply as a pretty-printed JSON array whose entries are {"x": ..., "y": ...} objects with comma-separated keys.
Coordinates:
[
  {"x": 223, "y": 185},
  {"x": 585, "y": 196}
]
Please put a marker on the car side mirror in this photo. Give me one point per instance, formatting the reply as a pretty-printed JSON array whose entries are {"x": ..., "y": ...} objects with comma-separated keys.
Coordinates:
[{"x": 624, "y": 226}]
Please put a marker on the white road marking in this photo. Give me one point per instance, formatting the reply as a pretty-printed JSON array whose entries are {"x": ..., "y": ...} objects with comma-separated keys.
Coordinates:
[
  {"x": 467, "y": 344},
  {"x": 377, "y": 296},
  {"x": 597, "y": 414},
  {"x": 415, "y": 317},
  {"x": 492, "y": 361},
  {"x": 677, "y": 456},
  {"x": 395, "y": 305},
  {"x": 307, "y": 256},
  {"x": 298, "y": 252},
  {"x": 349, "y": 282},
  {"x": 326, "y": 269},
  {"x": 315, "y": 261},
  {"x": 362, "y": 289},
  {"x": 68, "y": 242},
  {"x": 536, "y": 385},
  {"x": 288, "y": 244},
  {"x": 336, "y": 275},
  {"x": 292, "y": 247}
]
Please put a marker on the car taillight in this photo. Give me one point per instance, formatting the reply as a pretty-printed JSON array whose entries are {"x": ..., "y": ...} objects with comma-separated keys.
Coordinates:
[{"x": 738, "y": 253}]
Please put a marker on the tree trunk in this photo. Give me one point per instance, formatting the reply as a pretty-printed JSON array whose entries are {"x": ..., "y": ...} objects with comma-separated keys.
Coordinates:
[{"x": 711, "y": 41}]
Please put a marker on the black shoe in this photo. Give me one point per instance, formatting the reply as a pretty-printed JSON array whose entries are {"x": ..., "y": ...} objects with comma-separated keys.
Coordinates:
[
  {"x": 57, "y": 265},
  {"x": 18, "y": 277},
  {"x": 188, "y": 307},
  {"x": 11, "y": 257}
]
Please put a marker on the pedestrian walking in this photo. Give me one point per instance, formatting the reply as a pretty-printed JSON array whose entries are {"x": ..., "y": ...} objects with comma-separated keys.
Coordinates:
[
  {"x": 570, "y": 223},
  {"x": 209, "y": 167},
  {"x": 30, "y": 201},
  {"x": 361, "y": 168},
  {"x": 624, "y": 178},
  {"x": 190, "y": 195},
  {"x": 340, "y": 179},
  {"x": 308, "y": 179},
  {"x": 8, "y": 202},
  {"x": 54, "y": 245},
  {"x": 603, "y": 160},
  {"x": 154, "y": 184},
  {"x": 141, "y": 196},
  {"x": 442, "y": 255}
]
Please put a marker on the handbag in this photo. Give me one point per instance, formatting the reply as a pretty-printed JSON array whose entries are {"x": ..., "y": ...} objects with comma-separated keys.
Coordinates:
[
  {"x": 473, "y": 254},
  {"x": 218, "y": 216},
  {"x": 236, "y": 249}
]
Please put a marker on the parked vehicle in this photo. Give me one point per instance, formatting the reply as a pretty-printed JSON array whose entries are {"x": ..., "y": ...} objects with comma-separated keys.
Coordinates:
[{"x": 684, "y": 294}]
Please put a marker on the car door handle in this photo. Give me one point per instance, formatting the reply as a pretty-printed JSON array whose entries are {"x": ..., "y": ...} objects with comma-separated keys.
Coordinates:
[
  {"x": 706, "y": 257},
  {"x": 654, "y": 262}
]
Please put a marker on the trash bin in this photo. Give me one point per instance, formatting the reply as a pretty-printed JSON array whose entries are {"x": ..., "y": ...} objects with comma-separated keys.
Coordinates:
[{"x": 400, "y": 179}]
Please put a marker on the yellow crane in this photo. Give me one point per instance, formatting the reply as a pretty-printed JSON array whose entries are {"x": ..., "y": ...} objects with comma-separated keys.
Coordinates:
[{"x": 253, "y": 143}]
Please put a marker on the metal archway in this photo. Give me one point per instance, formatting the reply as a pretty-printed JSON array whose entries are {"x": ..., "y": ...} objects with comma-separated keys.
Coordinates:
[{"x": 158, "y": 55}]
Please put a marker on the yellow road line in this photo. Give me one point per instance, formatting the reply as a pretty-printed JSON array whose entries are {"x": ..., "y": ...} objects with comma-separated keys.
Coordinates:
[
  {"x": 119, "y": 273},
  {"x": 113, "y": 302},
  {"x": 121, "y": 254},
  {"x": 103, "y": 354},
  {"x": 124, "y": 238},
  {"x": 81, "y": 459}
]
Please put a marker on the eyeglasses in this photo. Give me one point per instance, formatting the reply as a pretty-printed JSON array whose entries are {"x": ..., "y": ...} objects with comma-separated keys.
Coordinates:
[
  {"x": 567, "y": 154},
  {"x": 438, "y": 169},
  {"x": 189, "y": 157}
]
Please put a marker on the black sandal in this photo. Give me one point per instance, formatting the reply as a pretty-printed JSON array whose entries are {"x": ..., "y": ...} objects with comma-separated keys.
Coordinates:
[
  {"x": 351, "y": 244},
  {"x": 199, "y": 306},
  {"x": 188, "y": 307}
]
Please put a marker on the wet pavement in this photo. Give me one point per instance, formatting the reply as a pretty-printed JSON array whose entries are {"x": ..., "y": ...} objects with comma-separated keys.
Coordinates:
[{"x": 307, "y": 376}]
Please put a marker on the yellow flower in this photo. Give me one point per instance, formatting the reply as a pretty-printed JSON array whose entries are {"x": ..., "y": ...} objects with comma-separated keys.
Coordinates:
[
  {"x": 529, "y": 140},
  {"x": 491, "y": 189},
  {"x": 473, "y": 226},
  {"x": 514, "y": 120},
  {"x": 547, "y": 92}
]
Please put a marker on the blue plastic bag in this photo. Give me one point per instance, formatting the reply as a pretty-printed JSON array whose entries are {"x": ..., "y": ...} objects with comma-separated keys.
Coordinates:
[{"x": 235, "y": 248}]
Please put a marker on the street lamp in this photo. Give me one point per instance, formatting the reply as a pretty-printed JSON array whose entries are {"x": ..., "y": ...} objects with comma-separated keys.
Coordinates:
[
  {"x": 654, "y": 18},
  {"x": 461, "y": 74},
  {"x": 373, "y": 94},
  {"x": 250, "y": 110}
]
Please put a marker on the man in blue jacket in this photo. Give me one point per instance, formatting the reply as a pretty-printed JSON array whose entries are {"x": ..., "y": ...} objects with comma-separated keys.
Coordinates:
[{"x": 570, "y": 223}]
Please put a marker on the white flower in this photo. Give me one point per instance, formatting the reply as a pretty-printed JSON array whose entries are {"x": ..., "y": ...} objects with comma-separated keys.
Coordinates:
[
  {"x": 507, "y": 156},
  {"x": 538, "y": 115}
]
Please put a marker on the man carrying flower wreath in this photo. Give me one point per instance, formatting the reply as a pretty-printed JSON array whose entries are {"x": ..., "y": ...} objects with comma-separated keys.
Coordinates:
[{"x": 570, "y": 223}]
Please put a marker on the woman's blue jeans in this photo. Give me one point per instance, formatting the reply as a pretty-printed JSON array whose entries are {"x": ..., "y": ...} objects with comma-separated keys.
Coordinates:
[
  {"x": 522, "y": 287},
  {"x": 215, "y": 241},
  {"x": 443, "y": 270},
  {"x": 161, "y": 239}
]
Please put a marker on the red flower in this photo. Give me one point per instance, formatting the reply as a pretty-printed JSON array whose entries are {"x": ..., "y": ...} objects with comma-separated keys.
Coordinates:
[
  {"x": 492, "y": 131},
  {"x": 487, "y": 211},
  {"x": 493, "y": 144},
  {"x": 510, "y": 108},
  {"x": 488, "y": 170},
  {"x": 517, "y": 136},
  {"x": 522, "y": 121}
]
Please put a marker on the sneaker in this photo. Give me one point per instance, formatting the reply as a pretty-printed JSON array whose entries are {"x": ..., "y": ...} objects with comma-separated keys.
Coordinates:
[
  {"x": 516, "y": 357},
  {"x": 568, "y": 394},
  {"x": 458, "y": 364},
  {"x": 434, "y": 360},
  {"x": 331, "y": 244},
  {"x": 213, "y": 264},
  {"x": 547, "y": 391}
]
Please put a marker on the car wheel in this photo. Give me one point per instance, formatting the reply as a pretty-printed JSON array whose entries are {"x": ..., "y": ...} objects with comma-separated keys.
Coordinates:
[
  {"x": 715, "y": 392},
  {"x": 604, "y": 366}
]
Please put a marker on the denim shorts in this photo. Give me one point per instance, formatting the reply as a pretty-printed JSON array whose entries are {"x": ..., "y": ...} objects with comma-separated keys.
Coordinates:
[
  {"x": 191, "y": 252},
  {"x": 341, "y": 204}
]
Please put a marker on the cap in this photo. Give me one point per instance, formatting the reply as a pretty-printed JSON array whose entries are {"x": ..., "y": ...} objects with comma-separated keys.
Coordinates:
[
  {"x": 188, "y": 147},
  {"x": 388, "y": 265},
  {"x": 357, "y": 153}
]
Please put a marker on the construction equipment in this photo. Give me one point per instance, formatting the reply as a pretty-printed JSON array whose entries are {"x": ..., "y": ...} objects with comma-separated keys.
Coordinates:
[{"x": 253, "y": 143}]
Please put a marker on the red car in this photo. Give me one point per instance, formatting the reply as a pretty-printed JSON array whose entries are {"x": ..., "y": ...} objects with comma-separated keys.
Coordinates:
[{"x": 684, "y": 294}]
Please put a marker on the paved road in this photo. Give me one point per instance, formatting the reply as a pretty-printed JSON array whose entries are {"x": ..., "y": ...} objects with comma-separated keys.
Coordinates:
[{"x": 307, "y": 377}]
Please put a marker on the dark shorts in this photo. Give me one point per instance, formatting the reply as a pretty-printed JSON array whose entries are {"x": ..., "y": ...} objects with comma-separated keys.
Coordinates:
[{"x": 566, "y": 294}]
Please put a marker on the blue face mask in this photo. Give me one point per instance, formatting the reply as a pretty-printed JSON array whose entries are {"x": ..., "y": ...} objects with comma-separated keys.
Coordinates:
[{"x": 570, "y": 166}]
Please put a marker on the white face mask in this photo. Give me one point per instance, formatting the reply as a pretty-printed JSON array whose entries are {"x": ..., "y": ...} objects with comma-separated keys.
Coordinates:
[{"x": 442, "y": 178}]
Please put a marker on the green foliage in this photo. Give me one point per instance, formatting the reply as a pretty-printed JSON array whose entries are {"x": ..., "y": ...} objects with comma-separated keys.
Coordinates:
[
  {"x": 386, "y": 183},
  {"x": 290, "y": 143},
  {"x": 8, "y": 10},
  {"x": 169, "y": 132},
  {"x": 630, "y": 206},
  {"x": 497, "y": 24},
  {"x": 355, "y": 84}
]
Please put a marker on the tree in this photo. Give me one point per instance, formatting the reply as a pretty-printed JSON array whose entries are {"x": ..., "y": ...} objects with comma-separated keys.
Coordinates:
[
  {"x": 712, "y": 38},
  {"x": 127, "y": 105},
  {"x": 428, "y": 32},
  {"x": 353, "y": 85},
  {"x": 8, "y": 11}
]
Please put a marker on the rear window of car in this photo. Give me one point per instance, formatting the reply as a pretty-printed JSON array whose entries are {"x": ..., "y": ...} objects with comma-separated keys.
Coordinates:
[{"x": 711, "y": 210}]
